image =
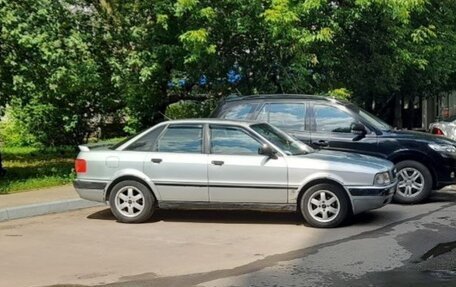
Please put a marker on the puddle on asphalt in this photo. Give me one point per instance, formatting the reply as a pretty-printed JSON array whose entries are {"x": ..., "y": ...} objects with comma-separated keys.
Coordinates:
[
  {"x": 442, "y": 275},
  {"x": 439, "y": 249},
  {"x": 405, "y": 278}
]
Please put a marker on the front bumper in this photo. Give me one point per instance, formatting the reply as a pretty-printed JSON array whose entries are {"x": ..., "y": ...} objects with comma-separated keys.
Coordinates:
[
  {"x": 90, "y": 190},
  {"x": 443, "y": 169},
  {"x": 366, "y": 198}
]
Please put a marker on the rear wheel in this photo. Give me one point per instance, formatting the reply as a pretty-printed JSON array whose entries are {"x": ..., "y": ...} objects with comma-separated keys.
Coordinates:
[
  {"x": 324, "y": 205},
  {"x": 415, "y": 182},
  {"x": 131, "y": 202}
]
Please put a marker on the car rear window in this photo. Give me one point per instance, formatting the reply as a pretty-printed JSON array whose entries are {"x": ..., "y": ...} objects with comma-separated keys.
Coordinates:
[{"x": 147, "y": 141}]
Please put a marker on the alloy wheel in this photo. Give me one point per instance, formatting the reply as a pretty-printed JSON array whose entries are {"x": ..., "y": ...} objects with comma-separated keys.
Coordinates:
[
  {"x": 323, "y": 206},
  {"x": 129, "y": 201},
  {"x": 411, "y": 182}
]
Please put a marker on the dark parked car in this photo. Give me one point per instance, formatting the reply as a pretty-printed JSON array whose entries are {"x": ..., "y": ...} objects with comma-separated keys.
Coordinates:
[{"x": 423, "y": 161}]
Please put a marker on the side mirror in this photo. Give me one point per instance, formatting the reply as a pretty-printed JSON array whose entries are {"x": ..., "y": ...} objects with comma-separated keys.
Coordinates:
[
  {"x": 267, "y": 151},
  {"x": 359, "y": 130}
]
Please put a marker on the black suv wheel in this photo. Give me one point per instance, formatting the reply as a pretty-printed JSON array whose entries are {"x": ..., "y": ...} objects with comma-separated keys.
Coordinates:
[{"x": 415, "y": 182}]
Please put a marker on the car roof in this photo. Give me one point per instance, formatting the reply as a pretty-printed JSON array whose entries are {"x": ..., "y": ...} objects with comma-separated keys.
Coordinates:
[
  {"x": 234, "y": 98},
  {"x": 211, "y": 121}
]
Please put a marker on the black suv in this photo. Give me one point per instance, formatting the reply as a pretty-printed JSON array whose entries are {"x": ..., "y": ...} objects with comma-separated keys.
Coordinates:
[{"x": 423, "y": 161}]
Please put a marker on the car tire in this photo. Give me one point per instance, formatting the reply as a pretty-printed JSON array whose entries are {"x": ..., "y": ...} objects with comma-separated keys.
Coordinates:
[
  {"x": 131, "y": 202},
  {"x": 325, "y": 205},
  {"x": 407, "y": 188}
]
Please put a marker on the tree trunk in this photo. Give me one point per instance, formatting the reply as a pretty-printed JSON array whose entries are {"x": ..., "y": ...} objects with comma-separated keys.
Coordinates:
[
  {"x": 397, "y": 111},
  {"x": 411, "y": 112}
]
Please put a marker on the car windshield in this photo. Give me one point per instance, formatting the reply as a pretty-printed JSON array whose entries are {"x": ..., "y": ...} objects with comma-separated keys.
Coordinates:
[
  {"x": 370, "y": 118},
  {"x": 285, "y": 142}
]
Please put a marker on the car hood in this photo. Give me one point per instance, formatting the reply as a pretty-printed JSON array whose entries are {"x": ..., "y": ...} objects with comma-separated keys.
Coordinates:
[
  {"x": 350, "y": 158},
  {"x": 403, "y": 134}
]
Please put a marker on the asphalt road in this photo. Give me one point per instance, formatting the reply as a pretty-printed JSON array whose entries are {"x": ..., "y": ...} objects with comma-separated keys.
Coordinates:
[{"x": 393, "y": 246}]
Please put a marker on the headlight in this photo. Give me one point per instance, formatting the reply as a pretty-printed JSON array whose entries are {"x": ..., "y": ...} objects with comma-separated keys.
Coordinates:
[
  {"x": 443, "y": 148},
  {"x": 382, "y": 178}
]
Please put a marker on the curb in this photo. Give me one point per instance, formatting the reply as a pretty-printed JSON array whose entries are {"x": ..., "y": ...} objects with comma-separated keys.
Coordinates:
[{"x": 10, "y": 213}]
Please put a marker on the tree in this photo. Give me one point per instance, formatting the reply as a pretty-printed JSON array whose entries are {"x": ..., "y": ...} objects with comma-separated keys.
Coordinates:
[
  {"x": 68, "y": 65},
  {"x": 169, "y": 51},
  {"x": 54, "y": 65}
]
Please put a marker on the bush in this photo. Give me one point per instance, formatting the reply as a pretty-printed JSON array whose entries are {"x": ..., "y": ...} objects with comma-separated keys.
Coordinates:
[{"x": 13, "y": 132}]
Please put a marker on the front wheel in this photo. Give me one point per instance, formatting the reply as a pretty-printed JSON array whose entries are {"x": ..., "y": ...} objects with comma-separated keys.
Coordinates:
[
  {"x": 415, "y": 182},
  {"x": 324, "y": 205},
  {"x": 131, "y": 202}
]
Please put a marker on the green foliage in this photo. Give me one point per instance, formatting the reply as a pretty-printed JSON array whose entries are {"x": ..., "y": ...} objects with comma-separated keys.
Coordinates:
[
  {"x": 183, "y": 6},
  {"x": 54, "y": 65},
  {"x": 189, "y": 109},
  {"x": 73, "y": 65},
  {"x": 341, "y": 94},
  {"x": 14, "y": 132}
]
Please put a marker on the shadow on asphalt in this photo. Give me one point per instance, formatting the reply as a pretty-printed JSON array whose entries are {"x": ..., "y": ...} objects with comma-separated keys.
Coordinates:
[
  {"x": 442, "y": 196},
  {"x": 213, "y": 216},
  {"x": 258, "y": 217},
  {"x": 235, "y": 217}
]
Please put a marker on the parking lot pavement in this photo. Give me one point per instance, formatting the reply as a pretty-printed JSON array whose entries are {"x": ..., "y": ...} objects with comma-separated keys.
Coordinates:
[{"x": 207, "y": 248}]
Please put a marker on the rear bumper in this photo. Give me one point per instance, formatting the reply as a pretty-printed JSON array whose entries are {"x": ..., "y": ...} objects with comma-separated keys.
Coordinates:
[
  {"x": 90, "y": 190},
  {"x": 366, "y": 198}
]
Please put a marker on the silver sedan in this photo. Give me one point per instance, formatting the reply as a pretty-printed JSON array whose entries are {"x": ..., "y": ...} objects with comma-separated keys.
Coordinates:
[
  {"x": 446, "y": 128},
  {"x": 220, "y": 164}
]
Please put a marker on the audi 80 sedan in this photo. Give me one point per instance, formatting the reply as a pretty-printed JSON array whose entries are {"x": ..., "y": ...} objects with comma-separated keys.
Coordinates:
[{"x": 223, "y": 164}]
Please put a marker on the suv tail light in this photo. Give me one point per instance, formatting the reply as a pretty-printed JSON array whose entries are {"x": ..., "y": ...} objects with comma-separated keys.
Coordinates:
[
  {"x": 80, "y": 165},
  {"x": 438, "y": 132}
]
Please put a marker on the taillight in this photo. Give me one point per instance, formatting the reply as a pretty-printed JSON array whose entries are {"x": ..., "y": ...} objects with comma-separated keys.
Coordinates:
[
  {"x": 437, "y": 131},
  {"x": 80, "y": 165}
]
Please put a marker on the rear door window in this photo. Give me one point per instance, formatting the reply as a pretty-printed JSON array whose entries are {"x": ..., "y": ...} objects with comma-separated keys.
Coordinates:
[
  {"x": 239, "y": 112},
  {"x": 287, "y": 116},
  {"x": 181, "y": 139}
]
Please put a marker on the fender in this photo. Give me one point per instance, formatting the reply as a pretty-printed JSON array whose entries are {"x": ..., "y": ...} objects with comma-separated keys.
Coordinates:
[
  {"x": 128, "y": 172},
  {"x": 321, "y": 175},
  {"x": 410, "y": 154},
  {"x": 418, "y": 156}
]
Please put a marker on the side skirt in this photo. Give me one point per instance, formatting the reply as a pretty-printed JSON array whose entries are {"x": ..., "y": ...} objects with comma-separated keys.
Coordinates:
[{"x": 278, "y": 207}]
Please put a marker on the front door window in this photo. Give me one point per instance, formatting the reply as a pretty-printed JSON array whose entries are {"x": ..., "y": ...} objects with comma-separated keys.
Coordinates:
[
  {"x": 231, "y": 140},
  {"x": 329, "y": 119}
]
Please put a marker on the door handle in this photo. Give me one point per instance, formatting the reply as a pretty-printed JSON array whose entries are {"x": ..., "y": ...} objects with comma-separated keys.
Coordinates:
[
  {"x": 321, "y": 143},
  {"x": 218, "y": 162},
  {"x": 156, "y": 160}
]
